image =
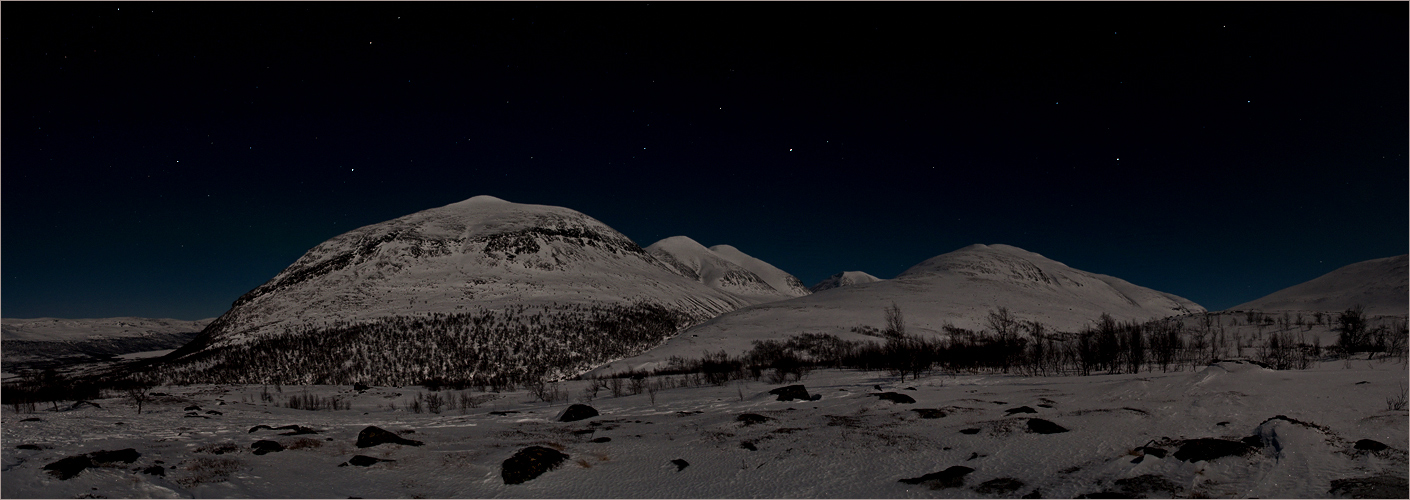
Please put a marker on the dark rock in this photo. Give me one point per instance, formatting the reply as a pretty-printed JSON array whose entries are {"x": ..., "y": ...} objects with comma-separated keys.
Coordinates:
[
  {"x": 972, "y": 456},
  {"x": 895, "y": 397},
  {"x": 125, "y": 455},
  {"x": 748, "y": 446},
  {"x": 373, "y": 436},
  {"x": 751, "y": 418},
  {"x": 969, "y": 431},
  {"x": 213, "y": 412},
  {"x": 28, "y": 447},
  {"x": 260, "y": 426},
  {"x": 999, "y": 486},
  {"x": 1362, "y": 382},
  {"x": 583, "y": 431},
  {"x": 1041, "y": 426},
  {"x": 909, "y": 389},
  {"x": 577, "y": 412},
  {"x": 1194, "y": 450},
  {"x": 155, "y": 470},
  {"x": 364, "y": 461},
  {"x": 1370, "y": 445},
  {"x": 67, "y": 468},
  {"x": 359, "y": 386},
  {"x": 952, "y": 477},
  {"x": 1000, "y": 402},
  {"x": 266, "y": 446},
  {"x": 1036, "y": 493},
  {"x": 1021, "y": 409},
  {"x": 929, "y": 413},
  {"x": 1371, "y": 487},
  {"x": 680, "y": 464},
  {"x": 1254, "y": 441},
  {"x": 877, "y": 387},
  {"x": 1138, "y": 460},
  {"x": 294, "y": 430},
  {"x": 530, "y": 463},
  {"x": 33, "y": 419},
  {"x": 602, "y": 440},
  {"x": 502, "y": 413},
  {"x": 1222, "y": 424},
  {"x": 83, "y": 404},
  {"x": 1044, "y": 406},
  {"x": 192, "y": 408},
  {"x": 791, "y": 393}
]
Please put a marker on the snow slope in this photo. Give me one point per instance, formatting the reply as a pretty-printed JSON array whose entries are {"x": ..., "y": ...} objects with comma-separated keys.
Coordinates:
[
  {"x": 725, "y": 268},
  {"x": 846, "y": 444},
  {"x": 842, "y": 279},
  {"x": 1380, "y": 285},
  {"x": 958, "y": 288}
]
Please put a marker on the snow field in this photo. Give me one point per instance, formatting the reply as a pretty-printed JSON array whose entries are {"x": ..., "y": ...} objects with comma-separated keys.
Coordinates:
[{"x": 847, "y": 444}]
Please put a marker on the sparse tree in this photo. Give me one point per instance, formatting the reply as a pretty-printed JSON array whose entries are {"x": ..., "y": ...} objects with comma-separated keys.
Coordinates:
[{"x": 895, "y": 322}]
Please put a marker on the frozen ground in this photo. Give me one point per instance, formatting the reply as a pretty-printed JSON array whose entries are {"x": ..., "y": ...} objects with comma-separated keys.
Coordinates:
[{"x": 847, "y": 444}]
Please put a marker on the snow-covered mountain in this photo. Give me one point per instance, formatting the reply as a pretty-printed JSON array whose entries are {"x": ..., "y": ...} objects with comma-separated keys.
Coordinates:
[
  {"x": 490, "y": 283},
  {"x": 727, "y": 269},
  {"x": 959, "y": 289},
  {"x": 1380, "y": 285},
  {"x": 842, "y": 279},
  {"x": 61, "y": 330},
  {"x": 56, "y": 342}
]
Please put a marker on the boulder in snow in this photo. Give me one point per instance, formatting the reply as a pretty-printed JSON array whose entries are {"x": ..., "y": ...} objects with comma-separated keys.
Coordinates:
[
  {"x": 530, "y": 463},
  {"x": 1041, "y": 426},
  {"x": 577, "y": 412},
  {"x": 952, "y": 477},
  {"x": 373, "y": 436},
  {"x": 792, "y": 392}
]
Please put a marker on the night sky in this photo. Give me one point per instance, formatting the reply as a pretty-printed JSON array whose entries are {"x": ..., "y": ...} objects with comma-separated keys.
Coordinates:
[{"x": 162, "y": 159}]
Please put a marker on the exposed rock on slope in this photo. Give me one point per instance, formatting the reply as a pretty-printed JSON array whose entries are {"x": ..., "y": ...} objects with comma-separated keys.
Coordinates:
[
  {"x": 483, "y": 288},
  {"x": 727, "y": 269},
  {"x": 1380, "y": 285},
  {"x": 958, "y": 288},
  {"x": 844, "y": 279}
]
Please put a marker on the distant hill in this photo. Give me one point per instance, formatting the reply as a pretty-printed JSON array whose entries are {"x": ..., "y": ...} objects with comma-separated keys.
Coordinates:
[
  {"x": 41, "y": 342},
  {"x": 959, "y": 289},
  {"x": 1382, "y": 286},
  {"x": 727, "y": 269},
  {"x": 844, "y": 279}
]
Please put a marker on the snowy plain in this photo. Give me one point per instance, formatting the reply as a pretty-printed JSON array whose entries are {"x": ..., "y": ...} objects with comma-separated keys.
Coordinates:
[{"x": 846, "y": 444}]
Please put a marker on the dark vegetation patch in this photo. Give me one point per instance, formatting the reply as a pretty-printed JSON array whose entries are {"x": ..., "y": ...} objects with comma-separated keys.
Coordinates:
[
  {"x": 929, "y": 412},
  {"x": 1194, "y": 450},
  {"x": 1041, "y": 426},
  {"x": 218, "y": 448},
  {"x": 999, "y": 486},
  {"x": 373, "y": 436},
  {"x": 748, "y": 446},
  {"x": 530, "y": 463},
  {"x": 751, "y": 419},
  {"x": 969, "y": 431},
  {"x": 952, "y": 477},
  {"x": 577, "y": 412},
  {"x": 155, "y": 470},
  {"x": 680, "y": 464},
  {"x": 895, "y": 397}
]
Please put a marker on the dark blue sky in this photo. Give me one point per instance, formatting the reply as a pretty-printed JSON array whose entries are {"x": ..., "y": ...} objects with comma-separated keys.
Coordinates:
[{"x": 161, "y": 159}]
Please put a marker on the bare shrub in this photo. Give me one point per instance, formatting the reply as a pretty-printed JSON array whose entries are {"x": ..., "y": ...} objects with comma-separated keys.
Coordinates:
[
  {"x": 208, "y": 470},
  {"x": 218, "y": 448},
  {"x": 303, "y": 443},
  {"x": 1399, "y": 401}
]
